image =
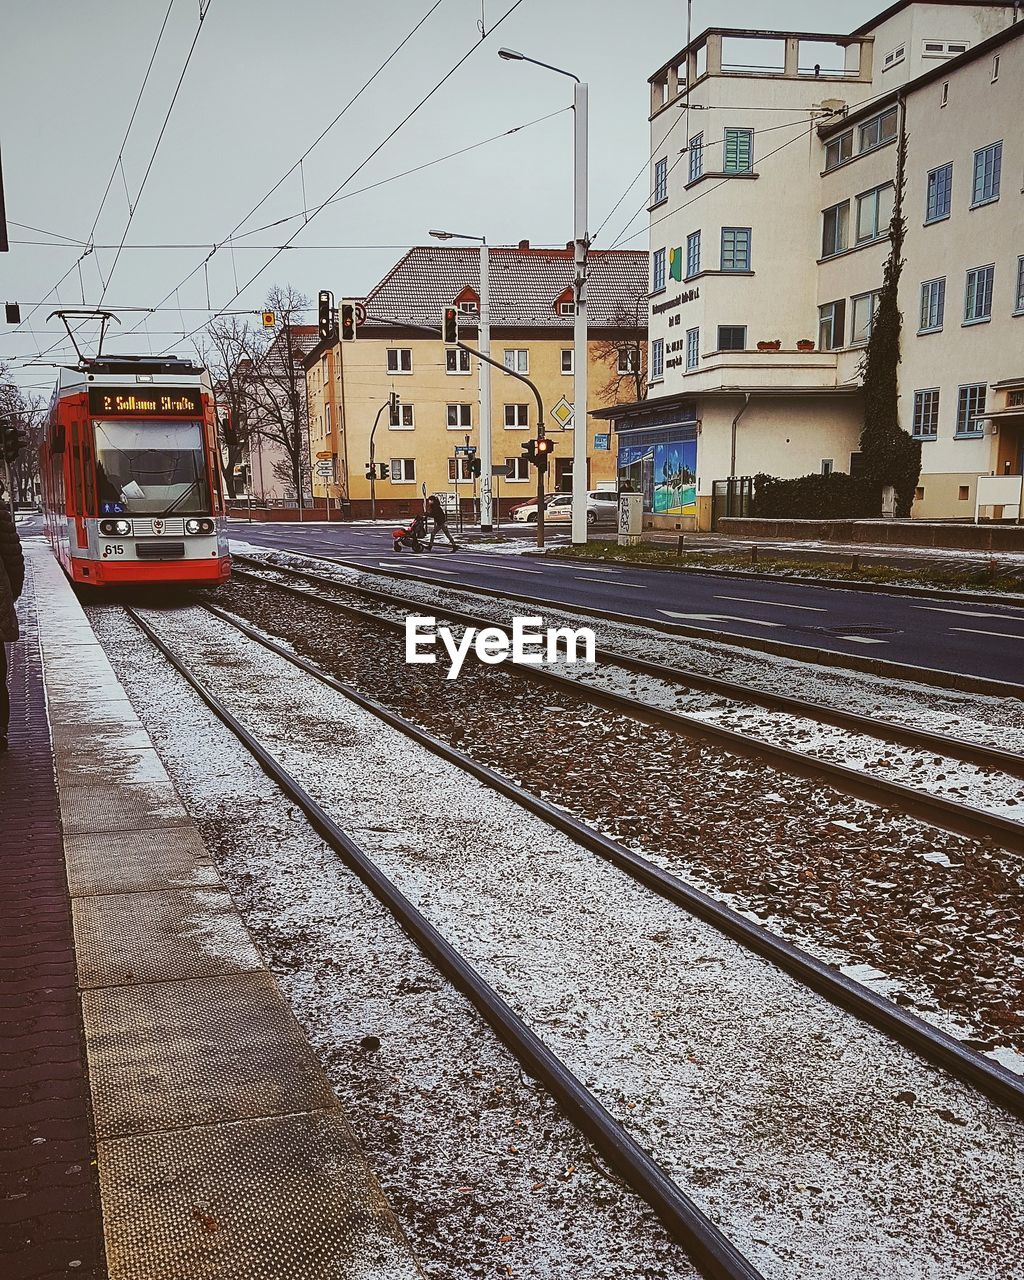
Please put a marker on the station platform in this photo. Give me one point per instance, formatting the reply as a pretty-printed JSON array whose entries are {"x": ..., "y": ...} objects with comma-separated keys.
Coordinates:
[{"x": 163, "y": 1115}]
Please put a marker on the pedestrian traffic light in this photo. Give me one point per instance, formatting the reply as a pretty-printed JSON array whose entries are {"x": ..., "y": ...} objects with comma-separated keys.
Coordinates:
[
  {"x": 347, "y": 311},
  {"x": 393, "y": 404},
  {"x": 451, "y": 327},
  {"x": 12, "y": 312},
  {"x": 544, "y": 448},
  {"x": 475, "y": 467},
  {"x": 529, "y": 447},
  {"x": 326, "y": 316},
  {"x": 385, "y": 471},
  {"x": 13, "y": 442}
]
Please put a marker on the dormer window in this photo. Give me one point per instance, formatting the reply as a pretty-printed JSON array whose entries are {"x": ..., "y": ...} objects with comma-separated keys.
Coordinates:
[
  {"x": 567, "y": 308},
  {"x": 565, "y": 303},
  {"x": 470, "y": 308},
  {"x": 467, "y": 301}
]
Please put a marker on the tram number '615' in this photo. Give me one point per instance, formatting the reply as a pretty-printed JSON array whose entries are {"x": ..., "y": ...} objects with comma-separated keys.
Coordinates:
[{"x": 112, "y": 549}]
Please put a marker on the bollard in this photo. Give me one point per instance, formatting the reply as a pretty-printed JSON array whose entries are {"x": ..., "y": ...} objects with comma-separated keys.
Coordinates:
[
  {"x": 753, "y": 554},
  {"x": 679, "y": 544},
  {"x": 855, "y": 563}
]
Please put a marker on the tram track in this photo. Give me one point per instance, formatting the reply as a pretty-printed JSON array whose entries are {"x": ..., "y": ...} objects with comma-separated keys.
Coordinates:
[
  {"x": 706, "y": 1243},
  {"x": 941, "y": 811}
]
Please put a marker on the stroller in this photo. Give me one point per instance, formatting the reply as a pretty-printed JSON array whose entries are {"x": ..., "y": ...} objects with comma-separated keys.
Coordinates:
[{"x": 413, "y": 536}]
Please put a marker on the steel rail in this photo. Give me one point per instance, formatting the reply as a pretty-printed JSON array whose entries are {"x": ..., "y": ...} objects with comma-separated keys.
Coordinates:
[
  {"x": 933, "y": 677},
  {"x": 975, "y": 753},
  {"x": 936, "y": 1046},
  {"x": 939, "y": 811},
  {"x": 707, "y": 1246}
]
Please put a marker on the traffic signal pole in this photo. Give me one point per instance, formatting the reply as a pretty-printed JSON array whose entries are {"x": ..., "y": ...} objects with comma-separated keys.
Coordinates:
[{"x": 373, "y": 464}]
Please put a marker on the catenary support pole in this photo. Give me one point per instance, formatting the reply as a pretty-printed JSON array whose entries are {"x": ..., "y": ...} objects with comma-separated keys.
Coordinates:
[
  {"x": 486, "y": 504},
  {"x": 579, "y": 435}
]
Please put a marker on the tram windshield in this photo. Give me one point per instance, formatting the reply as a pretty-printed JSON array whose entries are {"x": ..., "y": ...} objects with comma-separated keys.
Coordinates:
[{"x": 156, "y": 468}]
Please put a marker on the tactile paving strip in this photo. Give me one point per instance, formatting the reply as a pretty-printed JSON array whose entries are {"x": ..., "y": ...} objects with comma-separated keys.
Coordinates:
[
  {"x": 131, "y": 807},
  {"x": 153, "y": 937},
  {"x": 287, "y": 1198},
  {"x": 175, "y": 1054},
  {"x": 127, "y": 861}
]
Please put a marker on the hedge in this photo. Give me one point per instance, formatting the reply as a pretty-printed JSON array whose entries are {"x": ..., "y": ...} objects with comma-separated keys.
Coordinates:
[{"x": 815, "y": 497}]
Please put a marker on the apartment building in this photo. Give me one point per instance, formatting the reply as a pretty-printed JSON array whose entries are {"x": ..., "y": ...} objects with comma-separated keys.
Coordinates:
[
  {"x": 774, "y": 168},
  {"x": 398, "y": 349}
]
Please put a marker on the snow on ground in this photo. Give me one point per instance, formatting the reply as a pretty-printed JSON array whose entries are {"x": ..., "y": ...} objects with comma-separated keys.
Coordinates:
[
  {"x": 823, "y": 1149},
  {"x": 486, "y": 1175}
]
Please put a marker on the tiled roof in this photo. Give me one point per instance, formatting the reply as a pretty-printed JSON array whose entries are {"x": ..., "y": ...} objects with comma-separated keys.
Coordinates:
[{"x": 525, "y": 285}]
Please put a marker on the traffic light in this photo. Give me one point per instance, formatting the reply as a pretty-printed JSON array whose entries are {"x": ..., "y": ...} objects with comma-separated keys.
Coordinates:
[
  {"x": 12, "y": 312},
  {"x": 543, "y": 449},
  {"x": 13, "y": 442},
  {"x": 326, "y": 316},
  {"x": 475, "y": 467},
  {"x": 393, "y": 404},
  {"x": 451, "y": 327},
  {"x": 371, "y": 472},
  {"x": 348, "y": 321},
  {"x": 529, "y": 447},
  {"x": 385, "y": 471}
]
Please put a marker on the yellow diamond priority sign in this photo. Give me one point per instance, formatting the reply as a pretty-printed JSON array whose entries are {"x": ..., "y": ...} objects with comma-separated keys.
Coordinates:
[{"x": 562, "y": 413}]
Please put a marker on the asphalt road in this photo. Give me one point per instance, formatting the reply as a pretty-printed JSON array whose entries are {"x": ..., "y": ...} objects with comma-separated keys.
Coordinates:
[{"x": 971, "y": 639}]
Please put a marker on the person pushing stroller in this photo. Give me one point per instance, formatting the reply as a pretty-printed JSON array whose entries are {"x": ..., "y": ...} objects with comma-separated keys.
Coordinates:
[{"x": 437, "y": 513}]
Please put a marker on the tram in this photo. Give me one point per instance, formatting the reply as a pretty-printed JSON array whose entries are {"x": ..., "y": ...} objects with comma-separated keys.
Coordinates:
[{"x": 131, "y": 480}]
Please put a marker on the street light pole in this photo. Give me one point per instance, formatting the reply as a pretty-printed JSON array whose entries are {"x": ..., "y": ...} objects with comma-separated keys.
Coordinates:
[
  {"x": 579, "y": 424},
  {"x": 484, "y": 347}
]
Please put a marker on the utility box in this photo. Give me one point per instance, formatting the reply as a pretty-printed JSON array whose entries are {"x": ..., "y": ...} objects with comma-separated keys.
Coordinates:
[{"x": 631, "y": 519}]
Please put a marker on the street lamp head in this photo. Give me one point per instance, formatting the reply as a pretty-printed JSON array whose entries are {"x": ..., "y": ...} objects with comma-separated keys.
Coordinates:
[
  {"x": 442, "y": 235},
  {"x": 510, "y": 55}
]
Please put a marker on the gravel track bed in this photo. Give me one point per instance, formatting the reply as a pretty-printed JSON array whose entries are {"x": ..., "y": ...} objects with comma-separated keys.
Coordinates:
[
  {"x": 929, "y": 917},
  {"x": 487, "y": 1177},
  {"x": 824, "y": 1150},
  {"x": 997, "y": 722}
]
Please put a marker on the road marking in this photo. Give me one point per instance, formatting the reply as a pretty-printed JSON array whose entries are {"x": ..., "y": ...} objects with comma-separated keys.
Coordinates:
[
  {"x": 612, "y": 582},
  {"x": 720, "y": 617},
  {"x": 862, "y": 640},
  {"x": 429, "y": 568},
  {"x": 964, "y": 613},
  {"x": 773, "y": 604},
  {"x": 977, "y": 631}
]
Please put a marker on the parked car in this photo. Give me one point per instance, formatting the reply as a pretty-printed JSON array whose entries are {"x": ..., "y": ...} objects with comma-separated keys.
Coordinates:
[
  {"x": 606, "y": 501},
  {"x": 557, "y": 509}
]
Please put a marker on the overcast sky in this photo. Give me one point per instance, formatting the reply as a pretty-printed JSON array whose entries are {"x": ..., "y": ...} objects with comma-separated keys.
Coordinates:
[{"x": 266, "y": 76}]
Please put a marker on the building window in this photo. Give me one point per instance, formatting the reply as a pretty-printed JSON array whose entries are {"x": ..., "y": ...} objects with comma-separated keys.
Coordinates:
[
  {"x": 567, "y": 308},
  {"x": 657, "y": 359},
  {"x": 692, "y": 254},
  {"x": 567, "y": 358},
  {"x": 944, "y": 98},
  {"x": 1019, "y": 307},
  {"x": 995, "y": 68},
  {"x": 627, "y": 361},
  {"x": 732, "y": 337},
  {"x": 696, "y": 156},
  {"x": 988, "y": 164},
  {"x": 735, "y": 249},
  {"x": 926, "y": 414},
  {"x": 964, "y": 492},
  {"x": 406, "y": 418},
  {"x": 839, "y": 150},
  {"x": 459, "y": 415},
  {"x": 874, "y": 213},
  {"x": 978, "y": 294},
  {"x": 894, "y": 57},
  {"x": 940, "y": 192},
  {"x": 832, "y": 325},
  {"x": 660, "y": 181},
  {"x": 933, "y": 305},
  {"x": 835, "y": 229},
  {"x": 827, "y": 466},
  {"x": 403, "y": 470},
  {"x": 327, "y": 416},
  {"x": 873, "y": 133},
  {"x": 692, "y": 348},
  {"x": 517, "y": 469},
  {"x": 460, "y": 469},
  {"x": 456, "y": 360},
  {"x": 517, "y": 359},
  {"x": 399, "y": 360},
  {"x": 517, "y": 417},
  {"x": 739, "y": 150},
  {"x": 863, "y": 317},
  {"x": 658, "y": 271},
  {"x": 944, "y": 48},
  {"x": 469, "y": 307},
  {"x": 970, "y": 405}
]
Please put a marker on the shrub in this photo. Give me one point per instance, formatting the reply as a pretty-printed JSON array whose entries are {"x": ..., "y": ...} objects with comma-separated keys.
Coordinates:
[{"x": 815, "y": 497}]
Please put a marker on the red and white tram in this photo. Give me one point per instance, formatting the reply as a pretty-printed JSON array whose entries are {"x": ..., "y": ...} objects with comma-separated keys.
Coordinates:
[{"x": 131, "y": 481}]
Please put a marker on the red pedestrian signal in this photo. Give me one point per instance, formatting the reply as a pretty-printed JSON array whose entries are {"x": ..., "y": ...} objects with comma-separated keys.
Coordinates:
[
  {"x": 347, "y": 316},
  {"x": 451, "y": 327}
]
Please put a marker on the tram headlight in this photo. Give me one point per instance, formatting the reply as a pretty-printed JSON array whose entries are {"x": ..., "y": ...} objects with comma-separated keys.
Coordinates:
[
  {"x": 199, "y": 526},
  {"x": 115, "y": 528}
]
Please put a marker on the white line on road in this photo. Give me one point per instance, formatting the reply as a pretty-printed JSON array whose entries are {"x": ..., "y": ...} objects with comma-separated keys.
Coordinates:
[
  {"x": 428, "y": 568},
  {"x": 977, "y": 631},
  {"x": 862, "y": 640},
  {"x": 720, "y": 617},
  {"x": 613, "y": 582},
  {"x": 774, "y": 604},
  {"x": 964, "y": 613}
]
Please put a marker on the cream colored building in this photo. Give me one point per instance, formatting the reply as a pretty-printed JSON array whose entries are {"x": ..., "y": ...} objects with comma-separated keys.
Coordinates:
[
  {"x": 531, "y": 321},
  {"x": 772, "y": 190}
]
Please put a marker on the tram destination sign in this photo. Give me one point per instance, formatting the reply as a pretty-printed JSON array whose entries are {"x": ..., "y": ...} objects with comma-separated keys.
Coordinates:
[{"x": 162, "y": 402}]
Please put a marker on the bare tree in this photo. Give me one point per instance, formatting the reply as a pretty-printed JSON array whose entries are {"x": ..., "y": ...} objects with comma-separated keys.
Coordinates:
[
  {"x": 226, "y": 353},
  {"x": 26, "y": 413},
  {"x": 625, "y": 354},
  {"x": 276, "y": 384}
]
